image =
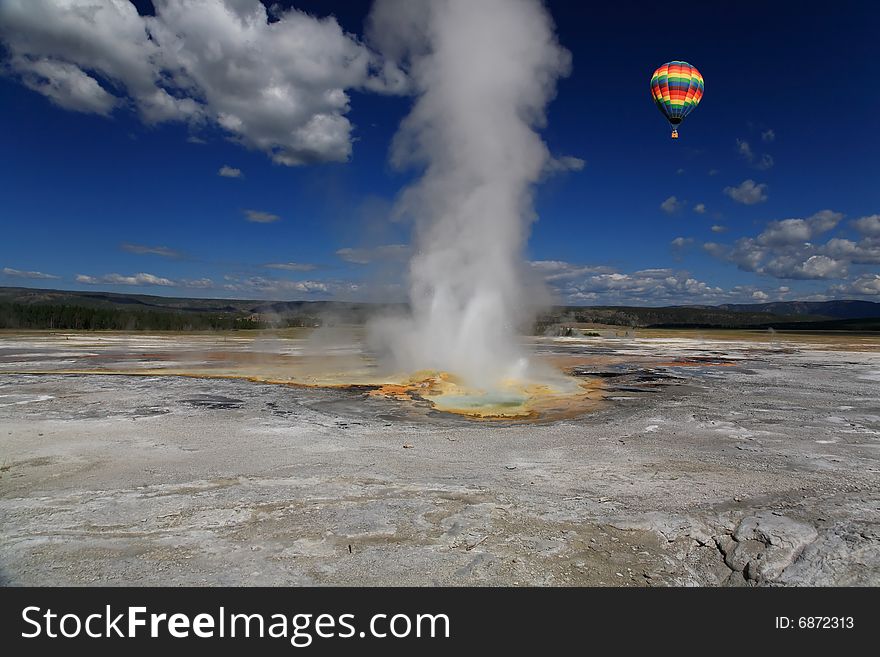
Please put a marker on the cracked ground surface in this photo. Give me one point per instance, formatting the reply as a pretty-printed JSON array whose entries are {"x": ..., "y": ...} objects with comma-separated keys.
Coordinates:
[{"x": 765, "y": 471}]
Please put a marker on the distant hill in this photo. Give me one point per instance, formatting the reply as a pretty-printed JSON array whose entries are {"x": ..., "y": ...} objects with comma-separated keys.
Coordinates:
[
  {"x": 31, "y": 296},
  {"x": 863, "y": 324},
  {"x": 642, "y": 317},
  {"x": 28, "y": 308},
  {"x": 58, "y": 309},
  {"x": 848, "y": 309}
]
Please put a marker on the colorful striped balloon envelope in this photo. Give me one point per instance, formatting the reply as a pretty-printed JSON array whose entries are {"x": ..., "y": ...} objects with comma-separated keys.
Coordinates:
[{"x": 677, "y": 88}]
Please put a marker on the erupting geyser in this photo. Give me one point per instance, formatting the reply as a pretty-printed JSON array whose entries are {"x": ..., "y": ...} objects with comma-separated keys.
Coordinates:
[{"x": 483, "y": 72}]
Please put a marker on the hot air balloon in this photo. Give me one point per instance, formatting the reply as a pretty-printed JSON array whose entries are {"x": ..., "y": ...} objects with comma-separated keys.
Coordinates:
[{"x": 677, "y": 88}]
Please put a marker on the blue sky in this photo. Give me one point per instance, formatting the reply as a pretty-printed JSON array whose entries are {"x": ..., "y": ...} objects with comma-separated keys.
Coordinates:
[{"x": 770, "y": 193}]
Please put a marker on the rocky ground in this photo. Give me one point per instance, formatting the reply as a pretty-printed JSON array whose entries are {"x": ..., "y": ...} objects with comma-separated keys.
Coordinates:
[{"x": 752, "y": 463}]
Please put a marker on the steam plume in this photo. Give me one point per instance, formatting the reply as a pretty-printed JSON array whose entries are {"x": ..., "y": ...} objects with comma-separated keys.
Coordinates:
[{"x": 483, "y": 72}]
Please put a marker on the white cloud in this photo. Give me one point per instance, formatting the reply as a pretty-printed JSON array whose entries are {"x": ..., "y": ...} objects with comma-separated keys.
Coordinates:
[
  {"x": 258, "y": 217},
  {"x": 118, "y": 279},
  {"x": 813, "y": 267},
  {"x": 559, "y": 270},
  {"x": 271, "y": 286},
  {"x": 863, "y": 252},
  {"x": 743, "y": 148},
  {"x": 867, "y": 285},
  {"x": 37, "y": 275},
  {"x": 681, "y": 242},
  {"x": 253, "y": 285},
  {"x": 672, "y": 205},
  {"x": 577, "y": 283},
  {"x": 564, "y": 163},
  {"x": 290, "y": 266},
  {"x": 142, "y": 249},
  {"x": 144, "y": 279},
  {"x": 364, "y": 256},
  {"x": 280, "y": 87},
  {"x": 714, "y": 172},
  {"x": 786, "y": 249},
  {"x": 719, "y": 229},
  {"x": 869, "y": 226},
  {"x": 797, "y": 231},
  {"x": 824, "y": 220},
  {"x": 199, "y": 283},
  {"x": 768, "y": 135},
  {"x": 787, "y": 231},
  {"x": 748, "y": 192},
  {"x": 646, "y": 286},
  {"x": 700, "y": 208},
  {"x": 227, "y": 171},
  {"x": 758, "y": 295},
  {"x": 138, "y": 279},
  {"x": 64, "y": 84},
  {"x": 762, "y": 162}
]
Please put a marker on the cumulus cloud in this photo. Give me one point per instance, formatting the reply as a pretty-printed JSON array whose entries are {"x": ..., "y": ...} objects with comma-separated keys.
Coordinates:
[
  {"x": 553, "y": 271},
  {"x": 824, "y": 220},
  {"x": 64, "y": 84},
  {"x": 768, "y": 135},
  {"x": 258, "y": 217},
  {"x": 142, "y": 249},
  {"x": 137, "y": 279},
  {"x": 812, "y": 267},
  {"x": 118, "y": 279},
  {"x": 647, "y": 286},
  {"x": 863, "y": 252},
  {"x": 262, "y": 285},
  {"x": 787, "y": 231},
  {"x": 796, "y": 231},
  {"x": 227, "y": 171},
  {"x": 278, "y": 86},
  {"x": 866, "y": 285},
  {"x": 144, "y": 279},
  {"x": 869, "y": 226},
  {"x": 803, "y": 261},
  {"x": 700, "y": 208},
  {"x": 198, "y": 283},
  {"x": 763, "y": 161},
  {"x": 577, "y": 283},
  {"x": 719, "y": 229},
  {"x": 672, "y": 205},
  {"x": 365, "y": 256},
  {"x": 291, "y": 266},
  {"x": 681, "y": 242},
  {"x": 37, "y": 275},
  {"x": 258, "y": 286},
  {"x": 748, "y": 192},
  {"x": 743, "y": 148},
  {"x": 788, "y": 249}
]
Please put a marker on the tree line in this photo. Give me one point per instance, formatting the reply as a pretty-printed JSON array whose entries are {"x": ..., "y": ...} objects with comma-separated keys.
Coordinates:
[{"x": 64, "y": 316}]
